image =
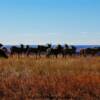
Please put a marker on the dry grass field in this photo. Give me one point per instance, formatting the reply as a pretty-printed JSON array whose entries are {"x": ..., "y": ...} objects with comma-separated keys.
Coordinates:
[{"x": 71, "y": 78}]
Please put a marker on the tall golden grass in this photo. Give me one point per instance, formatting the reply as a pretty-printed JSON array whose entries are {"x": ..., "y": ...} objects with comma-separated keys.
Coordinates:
[{"x": 31, "y": 78}]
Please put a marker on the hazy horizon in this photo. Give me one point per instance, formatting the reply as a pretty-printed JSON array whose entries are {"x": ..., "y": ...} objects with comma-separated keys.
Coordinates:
[{"x": 50, "y": 21}]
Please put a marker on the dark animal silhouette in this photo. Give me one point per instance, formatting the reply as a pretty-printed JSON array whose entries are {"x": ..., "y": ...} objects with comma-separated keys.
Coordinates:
[
  {"x": 3, "y": 51},
  {"x": 32, "y": 51},
  {"x": 90, "y": 51},
  {"x": 18, "y": 50},
  {"x": 1, "y": 45},
  {"x": 42, "y": 48},
  {"x": 38, "y": 51},
  {"x": 3, "y": 54},
  {"x": 69, "y": 50},
  {"x": 54, "y": 51}
]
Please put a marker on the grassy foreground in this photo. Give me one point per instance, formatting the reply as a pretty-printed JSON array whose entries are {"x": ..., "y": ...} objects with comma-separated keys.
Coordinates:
[{"x": 71, "y": 78}]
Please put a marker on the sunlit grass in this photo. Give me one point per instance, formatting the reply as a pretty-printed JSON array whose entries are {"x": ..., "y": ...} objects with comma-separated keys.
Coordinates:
[{"x": 71, "y": 77}]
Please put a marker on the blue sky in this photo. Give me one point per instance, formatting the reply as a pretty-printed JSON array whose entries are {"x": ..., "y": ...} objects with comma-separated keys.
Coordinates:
[{"x": 50, "y": 21}]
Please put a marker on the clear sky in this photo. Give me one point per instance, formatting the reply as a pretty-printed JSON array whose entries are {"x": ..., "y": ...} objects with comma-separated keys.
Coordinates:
[{"x": 50, "y": 21}]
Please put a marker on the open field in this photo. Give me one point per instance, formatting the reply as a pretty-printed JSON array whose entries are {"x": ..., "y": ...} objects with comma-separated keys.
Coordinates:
[{"x": 71, "y": 78}]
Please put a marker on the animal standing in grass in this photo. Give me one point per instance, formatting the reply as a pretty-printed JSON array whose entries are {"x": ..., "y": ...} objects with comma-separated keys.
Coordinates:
[
  {"x": 18, "y": 50},
  {"x": 3, "y": 51},
  {"x": 90, "y": 51},
  {"x": 69, "y": 50},
  {"x": 54, "y": 51}
]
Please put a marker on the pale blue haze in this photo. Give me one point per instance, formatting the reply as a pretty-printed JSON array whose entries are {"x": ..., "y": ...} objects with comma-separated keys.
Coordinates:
[{"x": 50, "y": 21}]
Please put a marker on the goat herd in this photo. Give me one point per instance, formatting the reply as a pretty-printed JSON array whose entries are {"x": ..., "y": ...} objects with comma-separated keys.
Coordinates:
[{"x": 47, "y": 50}]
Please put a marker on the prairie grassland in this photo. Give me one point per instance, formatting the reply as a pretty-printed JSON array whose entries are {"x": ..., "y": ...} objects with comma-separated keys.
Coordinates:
[{"x": 30, "y": 78}]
